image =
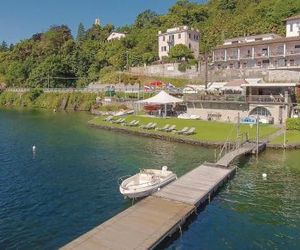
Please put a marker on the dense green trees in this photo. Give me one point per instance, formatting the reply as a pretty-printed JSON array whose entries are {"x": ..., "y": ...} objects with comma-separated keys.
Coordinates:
[
  {"x": 180, "y": 52},
  {"x": 56, "y": 59}
]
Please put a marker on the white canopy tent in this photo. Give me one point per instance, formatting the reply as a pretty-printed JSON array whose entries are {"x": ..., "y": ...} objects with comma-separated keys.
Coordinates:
[{"x": 162, "y": 98}]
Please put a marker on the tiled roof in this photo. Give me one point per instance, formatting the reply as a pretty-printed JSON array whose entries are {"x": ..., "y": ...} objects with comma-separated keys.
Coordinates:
[
  {"x": 293, "y": 17},
  {"x": 236, "y": 82},
  {"x": 276, "y": 40}
]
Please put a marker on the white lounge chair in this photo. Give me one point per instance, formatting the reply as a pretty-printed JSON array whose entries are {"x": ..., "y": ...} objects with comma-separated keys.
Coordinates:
[
  {"x": 191, "y": 131},
  {"x": 164, "y": 127},
  {"x": 109, "y": 118},
  {"x": 130, "y": 123},
  {"x": 136, "y": 123},
  {"x": 147, "y": 125},
  {"x": 170, "y": 129},
  {"x": 152, "y": 126},
  {"x": 182, "y": 131}
]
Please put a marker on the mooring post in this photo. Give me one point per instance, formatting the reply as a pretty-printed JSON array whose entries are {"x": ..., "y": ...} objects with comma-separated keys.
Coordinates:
[{"x": 257, "y": 136}]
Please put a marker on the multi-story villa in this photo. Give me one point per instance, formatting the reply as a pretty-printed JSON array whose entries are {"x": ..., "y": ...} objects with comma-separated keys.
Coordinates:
[
  {"x": 262, "y": 51},
  {"x": 179, "y": 35}
]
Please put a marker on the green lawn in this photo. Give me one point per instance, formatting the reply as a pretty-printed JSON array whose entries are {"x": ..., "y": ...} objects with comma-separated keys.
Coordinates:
[
  {"x": 292, "y": 137},
  {"x": 206, "y": 131}
]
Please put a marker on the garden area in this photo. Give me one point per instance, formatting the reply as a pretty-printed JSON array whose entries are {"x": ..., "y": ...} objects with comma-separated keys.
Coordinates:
[
  {"x": 205, "y": 131},
  {"x": 292, "y": 134}
]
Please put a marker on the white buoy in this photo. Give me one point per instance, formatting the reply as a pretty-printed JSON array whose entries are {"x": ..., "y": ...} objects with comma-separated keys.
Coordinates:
[
  {"x": 33, "y": 148},
  {"x": 264, "y": 175}
]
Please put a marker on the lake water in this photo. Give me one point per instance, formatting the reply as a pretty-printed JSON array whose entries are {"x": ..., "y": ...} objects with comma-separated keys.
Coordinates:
[{"x": 70, "y": 186}]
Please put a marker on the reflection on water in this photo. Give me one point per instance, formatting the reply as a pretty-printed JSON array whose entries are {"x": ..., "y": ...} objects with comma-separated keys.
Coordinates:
[
  {"x": 70, "y": 185},
  {"x": 251, "y": 212}
]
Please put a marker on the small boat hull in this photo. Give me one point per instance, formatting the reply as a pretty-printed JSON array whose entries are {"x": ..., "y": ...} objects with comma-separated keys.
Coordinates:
[{"x": 146, "y": 183}]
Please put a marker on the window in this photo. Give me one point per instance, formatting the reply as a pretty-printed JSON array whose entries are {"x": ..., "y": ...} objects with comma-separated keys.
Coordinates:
[
  {"x": 262, "y": 111},
  {"x": 264, "y": 51},
  {"x": 190, "y": 46},
  {"x": 291, "y": 27},
  {"x": 297, "y": 46},
  {"x": 179, "y": 36},
  {"x": 164, "y": 38},
  {"x": 292, "y": 62},
  {"x": 258, "y": 39},
  {"x": 190, "y": 35},
  {"x": 234, "y": 42}
]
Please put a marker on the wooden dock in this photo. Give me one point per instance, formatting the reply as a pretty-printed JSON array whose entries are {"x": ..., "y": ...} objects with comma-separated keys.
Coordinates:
[{"x": 146, "y": 224}]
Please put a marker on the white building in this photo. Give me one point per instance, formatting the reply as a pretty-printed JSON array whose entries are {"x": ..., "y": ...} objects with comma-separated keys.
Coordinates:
[
  {"x": 293, "y": 26},
  {"x": 261, "y": 51},
  {"x": 116, "y": 36},
  {"x": 179, "y": 35}
]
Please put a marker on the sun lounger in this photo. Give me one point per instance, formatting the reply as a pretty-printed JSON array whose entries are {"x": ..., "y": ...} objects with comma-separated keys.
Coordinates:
[
  {"x": 109, "y": 118},
  {"x": 152, "y": 126},
  {"x": 170, "y": 129},
  {"x": 116, "y": 121},
  {"x": 130, "y": 123},
  {"x": 164, "y": 127},
  {"x": 121, "y": 121},
  {"x": 136, "y": 123},
  {"x": 190, "y": 131},
  {"x": 146, "y": 126},
  {"x": 182, "y": 131}
]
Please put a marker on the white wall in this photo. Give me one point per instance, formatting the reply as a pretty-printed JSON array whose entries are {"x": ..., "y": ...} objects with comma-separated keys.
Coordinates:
[
  {"x": 295, "y": 31},
  {"x": 180, "y": 37}
]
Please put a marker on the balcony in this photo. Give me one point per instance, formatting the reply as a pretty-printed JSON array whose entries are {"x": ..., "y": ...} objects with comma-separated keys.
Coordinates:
[
  {"x": 276, "y": 53},
  {"x": 262, "y": 55},
  {"x": 265, "y": 99},
  {"x": 232, "y": 57},
  {"x": 246, "y": 56},
  {"x": 219, "y": 58},
  {"x": 215, "y": 98},
  {"x": 171, "y": 41},
  {"x": 234, "y": 98},
  {"x": 293, "y": 52}
]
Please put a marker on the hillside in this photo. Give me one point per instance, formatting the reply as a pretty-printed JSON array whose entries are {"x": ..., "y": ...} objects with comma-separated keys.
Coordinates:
[{"x": 55, "y": 58}]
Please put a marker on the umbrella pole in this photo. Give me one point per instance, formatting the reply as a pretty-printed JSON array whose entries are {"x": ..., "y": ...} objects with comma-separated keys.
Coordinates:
[{"x": 165, "y": 110}]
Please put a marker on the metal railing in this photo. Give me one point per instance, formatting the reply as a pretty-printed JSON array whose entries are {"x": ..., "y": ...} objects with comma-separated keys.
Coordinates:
[{"x": 266, "y": 99}]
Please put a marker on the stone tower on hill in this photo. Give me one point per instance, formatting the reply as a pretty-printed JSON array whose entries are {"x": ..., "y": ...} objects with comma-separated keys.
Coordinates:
[{"x": 97, "y": 21}]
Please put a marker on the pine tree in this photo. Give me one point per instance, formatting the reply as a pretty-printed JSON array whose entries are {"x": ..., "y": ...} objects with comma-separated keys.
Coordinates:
[
  {"x": 3, "y": 46},
  {"x": 80, "y": 33}
]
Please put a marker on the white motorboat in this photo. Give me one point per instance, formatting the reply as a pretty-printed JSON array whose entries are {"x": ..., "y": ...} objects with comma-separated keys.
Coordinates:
[{"x": 146, "y": 182}]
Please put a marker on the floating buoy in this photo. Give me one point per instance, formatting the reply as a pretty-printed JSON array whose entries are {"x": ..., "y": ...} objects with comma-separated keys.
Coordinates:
[
  {"x": 264, "y": 175},
  {"x": 33, "y": 148}
]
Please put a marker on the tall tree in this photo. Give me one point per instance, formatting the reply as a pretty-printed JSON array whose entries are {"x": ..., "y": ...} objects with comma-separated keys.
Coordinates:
[
  {"x": 146, "y": 19},
  {"x": 80, "y": 33},
  {"x": 3, "y": 46}
]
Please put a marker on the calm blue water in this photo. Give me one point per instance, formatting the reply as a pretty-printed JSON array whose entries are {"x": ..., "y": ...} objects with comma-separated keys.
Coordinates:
[{"x": 70, "y": 185}]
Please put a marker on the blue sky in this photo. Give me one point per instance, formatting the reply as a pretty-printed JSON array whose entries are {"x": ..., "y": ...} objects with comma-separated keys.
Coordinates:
[{"x": 20, "y": 19}]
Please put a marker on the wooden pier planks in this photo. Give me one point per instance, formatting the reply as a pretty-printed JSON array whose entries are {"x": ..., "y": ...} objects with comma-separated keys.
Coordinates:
[
  {"x": 141, "y": 226},
  {"x": 227, "y": 159},
  {"x": 195, "y": 186}
]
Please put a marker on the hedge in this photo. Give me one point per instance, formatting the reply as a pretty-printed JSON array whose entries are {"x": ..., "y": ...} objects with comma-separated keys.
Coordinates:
[{"x": 293, "y": 123}]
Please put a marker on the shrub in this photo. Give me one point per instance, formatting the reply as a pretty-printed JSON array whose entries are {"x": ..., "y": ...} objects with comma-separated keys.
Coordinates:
[
  {"x": 35, "y": 93},
  {"x": 293, "y": 124}
]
